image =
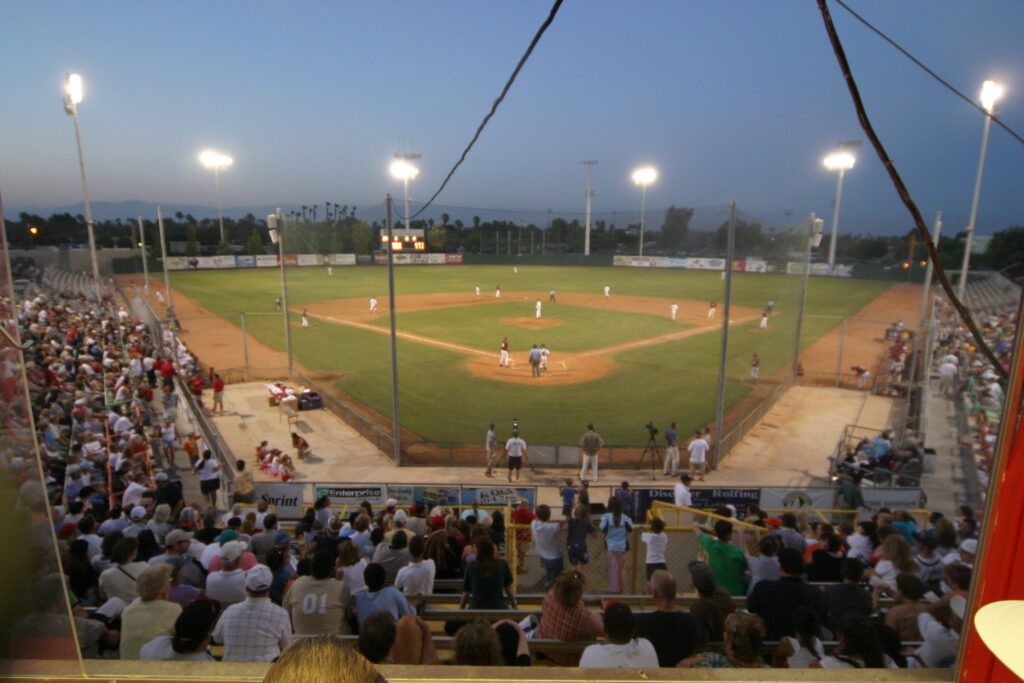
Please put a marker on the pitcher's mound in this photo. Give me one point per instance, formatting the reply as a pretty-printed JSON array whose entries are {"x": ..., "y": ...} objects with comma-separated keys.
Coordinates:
[
  {"x": 571, "y": 370},
  {"x": 526, "y": 321}
]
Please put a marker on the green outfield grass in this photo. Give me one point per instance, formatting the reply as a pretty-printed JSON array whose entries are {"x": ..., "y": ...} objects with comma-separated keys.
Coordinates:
[{"x": 442, "y": 401}]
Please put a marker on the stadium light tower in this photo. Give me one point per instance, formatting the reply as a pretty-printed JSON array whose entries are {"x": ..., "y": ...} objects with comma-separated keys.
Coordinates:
[
  {"x": 216, "y": 162},
  {"x": 73, "y": 90},
  {"x": 841, "y": 161},
  {"x": 643, "y": 177},
  {"x": 404, "y": 171},
  {"x": 991, "y": 92},
  {"x": 589, "y": 163}
]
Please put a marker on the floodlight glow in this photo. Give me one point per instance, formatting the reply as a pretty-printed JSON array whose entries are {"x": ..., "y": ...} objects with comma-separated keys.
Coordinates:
[
  {"x": 839, "y": 161},
  {"x": 403, "y": 170},
  {"x": 645, "y": 175},
  {"x": 73, "y": 87},
  {"x": 215, "y": 160},
  {"x": 991, "y": 92}
]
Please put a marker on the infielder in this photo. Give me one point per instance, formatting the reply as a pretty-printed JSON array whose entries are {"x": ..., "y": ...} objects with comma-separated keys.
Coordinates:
[
  {"x": 478, "y": 291},
  {"x": 330, "y": 270},
  {"x": 590, "y": 447},
  {"x": 712, "y": 309},
  {"x": 497, "y": 291},
  {"x": 607, "y": 290},
  {"x": 491, "y": 446},
  {"x": 160, "y": 297},
  {"x": 755, "y": 367},
  {"x": 538, "y": 308},
  {"x": 544, "y": 353},
  {"x": 551, "y": 295},
  {"x": 373, "y": 304},
  {"x": 503, "y": 363},
  {"x": 674, "y": 308},
  {"x": 764, "y": 319},
  {"x": 305, "y": 320},
  {"x": 698, "y": 454}
]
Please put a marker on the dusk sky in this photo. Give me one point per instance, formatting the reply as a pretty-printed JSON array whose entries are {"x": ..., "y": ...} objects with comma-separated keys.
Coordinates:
[{"x": 733, "y": 99}]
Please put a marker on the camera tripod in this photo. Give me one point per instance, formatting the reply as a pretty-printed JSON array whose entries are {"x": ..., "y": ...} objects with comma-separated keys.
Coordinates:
[{"x": 652, "y": 450}]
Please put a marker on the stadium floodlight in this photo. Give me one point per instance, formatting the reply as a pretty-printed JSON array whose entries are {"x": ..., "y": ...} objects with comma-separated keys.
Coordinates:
[
  {"x": 404, "y": 171},
  {"x": 842, "y": 162},
  {"x": 991, "y": 92},
  {"x": 216, "y": 162},
  {"x": 73, "y": 91},
  {"x": 643, "y": 177}
]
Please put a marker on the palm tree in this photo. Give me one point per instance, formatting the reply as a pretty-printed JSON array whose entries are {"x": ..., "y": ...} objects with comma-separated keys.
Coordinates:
[{"x": 304, "y": 207}]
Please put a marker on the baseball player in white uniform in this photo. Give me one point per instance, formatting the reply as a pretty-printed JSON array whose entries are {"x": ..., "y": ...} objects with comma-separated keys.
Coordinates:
[
  {"x": 478, "y": 290},
  {"x": 712, "y": 309},
  {"x": 538, "y": 308},
  {"x": 544, "y": 353},
  {"x": 497, "y": 291},
  {"x": 607, "y": 290},
  {"x": 160, "y": 297},
  {"x": 330, "y": 270},
  {"x": 305, "y": 320},
  {"x": 373, "y": 304},
  {"x": 764, "y": 319},
  {"x": 504, "y": 353},
  {"x": 674, "y": 308}
]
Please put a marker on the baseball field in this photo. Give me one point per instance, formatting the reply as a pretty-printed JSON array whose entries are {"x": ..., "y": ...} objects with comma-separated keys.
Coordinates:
[{"x": 619, "y": 361}]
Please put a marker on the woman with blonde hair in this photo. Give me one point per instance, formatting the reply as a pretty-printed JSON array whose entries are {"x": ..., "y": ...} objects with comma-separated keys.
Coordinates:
[
  {"x": 321, "y": 659},
  {"x": 897, "y": 558},
  {"x": 743, "y": 638},
  {"x": 351, "y": 565},
  {"x": 565, "y": 616},
  {"x": 152, "y": 614}
]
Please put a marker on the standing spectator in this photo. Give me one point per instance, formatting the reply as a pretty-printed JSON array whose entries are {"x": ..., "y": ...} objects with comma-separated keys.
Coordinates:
[
  {"x": 152, "y": 614},
  {"x": 617, "y": 528},
  {"x": 675, "y": 633},
  {"x": 671, "y": 465},
  {"x": 775, "y": 601},
  {"x": 318, "y": 604},
  {"x": 681, "y": 495},
  {"x": 566, "y": 617},
  {"x": 378, "y": 598},
  {"x": 522, "y": 517},
  {"x": 218, "y": 394},
  {"x": 255, "y": 630},
  {"x": 622, "y": 649},
  {"x": 698, "y": 449},
  {"x": 591, "y": 444},
  {"x": 728, "y": 562},
  {"x": 656, "y": 541},
  {"x": 487, "y": 579},
  {"x": 491, "y": 446},
  {"x": 568, "y": 493},
  {"x": 416, "y": 579},
  {"x": 628, "y": 501},
  {"x": 580, "y": 529},
  {"x": 546, "y": 545},
  {"x": 243, "y": 484},
  {"x": 516, "y": 450},
  {"x": 209, "y": 477}
]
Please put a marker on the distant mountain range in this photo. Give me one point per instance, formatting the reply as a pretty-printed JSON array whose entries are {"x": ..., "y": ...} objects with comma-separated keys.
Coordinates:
[{"x": 704, "y": 218}]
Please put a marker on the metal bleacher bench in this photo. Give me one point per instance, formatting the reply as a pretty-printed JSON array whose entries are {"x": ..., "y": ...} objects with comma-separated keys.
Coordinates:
[{"x": 291, "y": 414}]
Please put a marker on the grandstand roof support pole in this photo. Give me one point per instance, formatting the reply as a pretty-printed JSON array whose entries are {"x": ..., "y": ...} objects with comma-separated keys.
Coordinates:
[
  {"x": 395, "y": 420},
  {"x": 145, "y": 264},
  {"x": 813, "y": 228},
  {"x": 284, "y": 291},
  {"x": 923, "y": 328},
  {"x": 730, "y": 247},
  {"x": 163, "y": 255}
]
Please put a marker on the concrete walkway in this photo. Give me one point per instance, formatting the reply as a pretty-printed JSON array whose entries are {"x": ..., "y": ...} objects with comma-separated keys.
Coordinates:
[{"x": 955, "y": 479}]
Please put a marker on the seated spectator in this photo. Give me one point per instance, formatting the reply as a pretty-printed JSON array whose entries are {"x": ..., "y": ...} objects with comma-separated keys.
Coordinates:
[
  {"x": 119, "y": 580},
  {"x": 713, "y": 603},
  {"x": 409, "y": 641},
  {"x": 956, "y": 579},
  {"x": 329, "y": 597},
  {"x": 897, "y": 558},
  {"x": 255, "y": 630},
  {"x": 764, "y": 567},
  {"x": 967, "y": 550},
  {"x": 743, "y": 636},
  {"x": 565, "y": 617},
  {"x": 263, "y": 541},
  {"x": 826, "y": 561},
  {"x": 622, "y": 650},
  {"x": 321, "y": 660},
  {"x": 279, "y": 562},
  {"x": 848, "y": 597},
  {"x": 906, "y": 525},
  {"x": 176, "y": 545},
  {"x": 477, "y": 644},
  {"x": 902, "y": 617},
  {"x": 181, "y": 593},
  {"x": 351, "y": 566},
  {"x": 675, "y": 633},
  {"x": 727, "y": 561},
  {"x": 416, "y": 579},
  {"x": 152, "y": 614},
  {"x": 801, "y": 647},
  {"x": 487, "y": 582},
  {"x": 394, "y": 556},
  {"x": 227, "y": 585},
  {"x": 377, "y": 637},
  {"x": 515, "y": 651},
  {"x": 858, "y": 648},
  {"x": 940, "y": 630},
  {"x": 377, "y": 598},
  {"x": 929, "y": 564},
  {"x": 190, "y": 639},
  {"x": 863, "y": 541},
  {"x": 775, "y": 601}
]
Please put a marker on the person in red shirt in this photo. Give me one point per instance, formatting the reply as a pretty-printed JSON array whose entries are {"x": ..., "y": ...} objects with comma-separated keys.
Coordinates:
[
  {"x": 167, "y": 373},
  {"x": 218, "y": 394},
  {"x": 196, "y": 387},
  {"x": 522, "y": 516}
]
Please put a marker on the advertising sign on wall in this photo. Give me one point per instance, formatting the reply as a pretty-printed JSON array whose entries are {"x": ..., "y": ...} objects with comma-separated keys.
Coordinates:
[
  {"x": 407, "y": 495},
  {"x": 286, "y": 497},
  {"x": 245, "y": 262},
  {"x": 797, "y": 499},
  {"x": 709, "y": 498},
  {"x": 894, "y": 499},
  {"x": 755, "y": 265},
  {"x": 176, "y": 263},
  {"x": 376, "y": 494},
  {"x": 706, "y": 263},
  {"x": 497, "y": 495},
  {"x": 310, "y": 259},
  {"x": 291, "y": 260},
  {"x": 266, "y": 261},
  {"x": 342, "y": 259},
  {"x": 453, "y": 258}
]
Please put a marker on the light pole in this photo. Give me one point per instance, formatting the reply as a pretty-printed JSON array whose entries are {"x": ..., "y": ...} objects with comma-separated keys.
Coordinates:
[
  {"x": 73, "y": 88},
  {"x": 216, "y": 162},
  {"x": 275, "y": 226},
  {"x": 589, "y": 163},
  {"x": 404, "y": 171},
  {"x": 991, "y": 92},
  {"x": 842, "y": 162},
  {"x": 643, "y": 177}
]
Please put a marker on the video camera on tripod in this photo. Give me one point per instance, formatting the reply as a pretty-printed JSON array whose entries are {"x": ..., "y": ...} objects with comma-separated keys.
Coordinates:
[{"x": 651, "y": 429}]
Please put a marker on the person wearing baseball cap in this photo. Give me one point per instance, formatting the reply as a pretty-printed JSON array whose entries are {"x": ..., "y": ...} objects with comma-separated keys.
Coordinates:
[
  {"x": 176, "y": 544},
  {"x": 191, "y": 636},
  {"x": 255, "y": 630},
  {"x": 968, "y": 550}
]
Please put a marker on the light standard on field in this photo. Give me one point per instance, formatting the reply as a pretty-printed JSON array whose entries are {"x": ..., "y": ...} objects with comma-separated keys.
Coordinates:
[
  {"x": 842, "y": 162},
  {"x": 73, "y": 88},
  {"x": 589, "y": 163},
  {"x": 405, "y": 172},
  {"x": 216, "y": 162},
  {"x": 643, "y": 177},
  {"x": 275, "y": 226},
  {"x": 991, "y": 92}
]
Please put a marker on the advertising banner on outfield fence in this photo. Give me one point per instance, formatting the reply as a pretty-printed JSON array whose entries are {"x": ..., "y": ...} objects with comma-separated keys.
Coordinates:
[
  {"x": 310, "y": 260},
  {"x": 819, "y": 269},
  {"x": 640, "y": 261},
  {"x": 342, "y": 259},
  {"x": 706, "y": 263},
  {"x": 453, "y": 258},
  {"x": 205, "y": 262},
  {"x": 266, "y": 261},
  {"x": 291, "y": 260},
  {"x": 287, "y": 498},
  {"x": 797, "y": 499},
  {"x": 176, "y": 263},
  {"x": 376, "y": 494},
  {"x": 739, "y": 264},
  {"x": 245, "y": 262},
  {"x": 755, "y": 265},
  {"x": 673, "y": 262},
  {"x": 431, "y": 495},
  {"x": 497, "y": 495}
]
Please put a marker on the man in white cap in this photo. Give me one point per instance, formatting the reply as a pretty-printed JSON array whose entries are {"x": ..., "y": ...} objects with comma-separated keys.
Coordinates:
[
  {"x": 967, "y": 551},
  {"x": 138, "y": 522},
  {"x": 227, "y": 586},
  {"x": 255, "y": 630}
]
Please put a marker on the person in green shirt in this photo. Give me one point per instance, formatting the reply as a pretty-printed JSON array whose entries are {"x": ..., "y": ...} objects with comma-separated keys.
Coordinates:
[{"x": 728, "y": 562}]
